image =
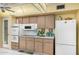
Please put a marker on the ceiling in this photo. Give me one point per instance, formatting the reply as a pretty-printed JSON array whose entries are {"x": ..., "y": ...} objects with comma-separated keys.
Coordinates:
[{"x": 22, "y": 9}]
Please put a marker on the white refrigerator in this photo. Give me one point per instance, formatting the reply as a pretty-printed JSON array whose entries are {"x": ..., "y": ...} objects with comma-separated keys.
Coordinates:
[{"x": 65, "y": 37}]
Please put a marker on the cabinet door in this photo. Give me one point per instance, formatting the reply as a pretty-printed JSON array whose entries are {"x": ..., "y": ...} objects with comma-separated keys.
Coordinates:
[
  {"x": 48, "y": 46},
  {"x": 25, "y": 20},
  {"x": 33, "y": 20},
  {"x": 49, "y": 21},
  {"x": 22, "y": 43},
  {"x": 41, "y": 21},
  {"x": 30, "y": 45},
  {"x": 15, "y": 21},
  {"x": 38, "y": 46},
  {"x": 14, "y": 45},
  {"x": 20, "y": 21}
]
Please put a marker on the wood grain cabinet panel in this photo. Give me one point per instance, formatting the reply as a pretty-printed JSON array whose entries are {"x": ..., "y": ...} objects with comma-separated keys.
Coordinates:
[
  {"x": 25, "y": 20},
  {"x": 30, "y": 45},
  {"x": 33, "y": 20},
  {"x": 38, "y": 46},
  {"x": 49, "y": 21},
  {"x": 14, "y": 45},
  {"x": 41, "y": 21},
  {"x": 22, "y": 43},
  {"x": 16, "y": 20},
  {"x": 20, "y": 21},
  {"x": 48, "y": 46}
]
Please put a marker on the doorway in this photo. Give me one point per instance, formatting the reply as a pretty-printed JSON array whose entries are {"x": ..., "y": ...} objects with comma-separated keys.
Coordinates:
[{"x": 5, "y": 33}]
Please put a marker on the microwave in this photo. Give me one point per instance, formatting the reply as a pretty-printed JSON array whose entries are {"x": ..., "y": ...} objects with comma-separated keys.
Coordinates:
[{"x": 30, "y": 26}]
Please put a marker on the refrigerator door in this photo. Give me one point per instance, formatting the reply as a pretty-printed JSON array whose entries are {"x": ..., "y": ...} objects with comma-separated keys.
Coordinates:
[
  {"x": 65, "y": 32},
  {"x": 65, "y": 49}
]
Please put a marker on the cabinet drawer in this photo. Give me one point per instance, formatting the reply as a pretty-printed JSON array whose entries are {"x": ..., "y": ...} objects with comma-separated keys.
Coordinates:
[
  {"x": 14, "y": 47},
  {"x": 48, "y": 40},
  {"x": 30, "y": 39},
  {"x": 38, "y": 40},
  {"x": 14, "y": 44}
]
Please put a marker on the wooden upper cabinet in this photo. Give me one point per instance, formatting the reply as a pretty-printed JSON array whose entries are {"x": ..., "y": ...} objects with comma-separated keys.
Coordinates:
[
  {"x": 16, "y": 21},
  {"x": 41, "y": 21},
  {"x": 49, "y": 21},
  {"x": 33, "y": 20},
  {"x": 20, "y": 21},
  {"x": 25, "y": 20}
]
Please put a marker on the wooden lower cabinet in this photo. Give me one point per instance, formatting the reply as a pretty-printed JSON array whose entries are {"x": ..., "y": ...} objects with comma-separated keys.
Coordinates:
[
  {"x": 14, "y": 45},
  {"x": 38, "y": 46},
  {"x": 29, "y": 44},
  {"x": 22, "y": 43},
  {"x": 44, "y": 46},
  {"x": 48, "y": 46}
]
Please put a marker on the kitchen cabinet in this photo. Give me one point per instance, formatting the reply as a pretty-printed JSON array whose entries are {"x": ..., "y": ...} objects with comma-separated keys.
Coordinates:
[
  {"x": 20, "y": 21},
  {"x": 22, "y": 43},
  {"x": 25, "y": 20},
  {"x": 29, "y": 44},
  {"x": 33, "y": 20},
  {"x": 41, "y": 21},
  {"x": 48, "y": 45},
  {"x": 14, "y": 45},
  {"x": 16, "y": 21},
  {"x": 38, "y": 45},
  {"x": 49, "y": 21}
]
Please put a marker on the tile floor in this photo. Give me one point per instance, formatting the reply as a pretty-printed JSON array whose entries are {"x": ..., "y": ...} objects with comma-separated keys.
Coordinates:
[{"x": 4, "y": 51}]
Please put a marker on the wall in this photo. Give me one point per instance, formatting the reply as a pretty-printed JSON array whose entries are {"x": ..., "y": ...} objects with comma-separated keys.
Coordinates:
[
  {"x": 77, "y": 17},
  {"x": 11, "y": 22},
  {"x": 71, "y": 15},
  {"x": 68, "y": 6},
  {"x": 0, "y": 32}
]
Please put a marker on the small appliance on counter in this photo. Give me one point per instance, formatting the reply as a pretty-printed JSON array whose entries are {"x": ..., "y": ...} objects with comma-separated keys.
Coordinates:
[
  {"x": 50, "y": 33},
  {"x": 41, "y": 32}
]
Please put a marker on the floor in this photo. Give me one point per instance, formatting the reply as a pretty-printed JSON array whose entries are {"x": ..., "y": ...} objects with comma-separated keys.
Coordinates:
[{"x": 4, "y": 51}]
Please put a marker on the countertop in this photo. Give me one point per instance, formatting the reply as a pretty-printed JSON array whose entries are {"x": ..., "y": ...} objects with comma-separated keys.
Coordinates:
[{"x": 38, "y": 37}]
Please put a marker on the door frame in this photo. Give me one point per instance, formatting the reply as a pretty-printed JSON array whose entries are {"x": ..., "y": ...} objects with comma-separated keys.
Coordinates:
[{"x": 4, "y": 45}]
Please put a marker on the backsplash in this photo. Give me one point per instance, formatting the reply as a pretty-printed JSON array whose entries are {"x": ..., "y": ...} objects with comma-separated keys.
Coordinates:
[
  {"x": 42, "y": 32},
  {"x": 46, "y": 32}
]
